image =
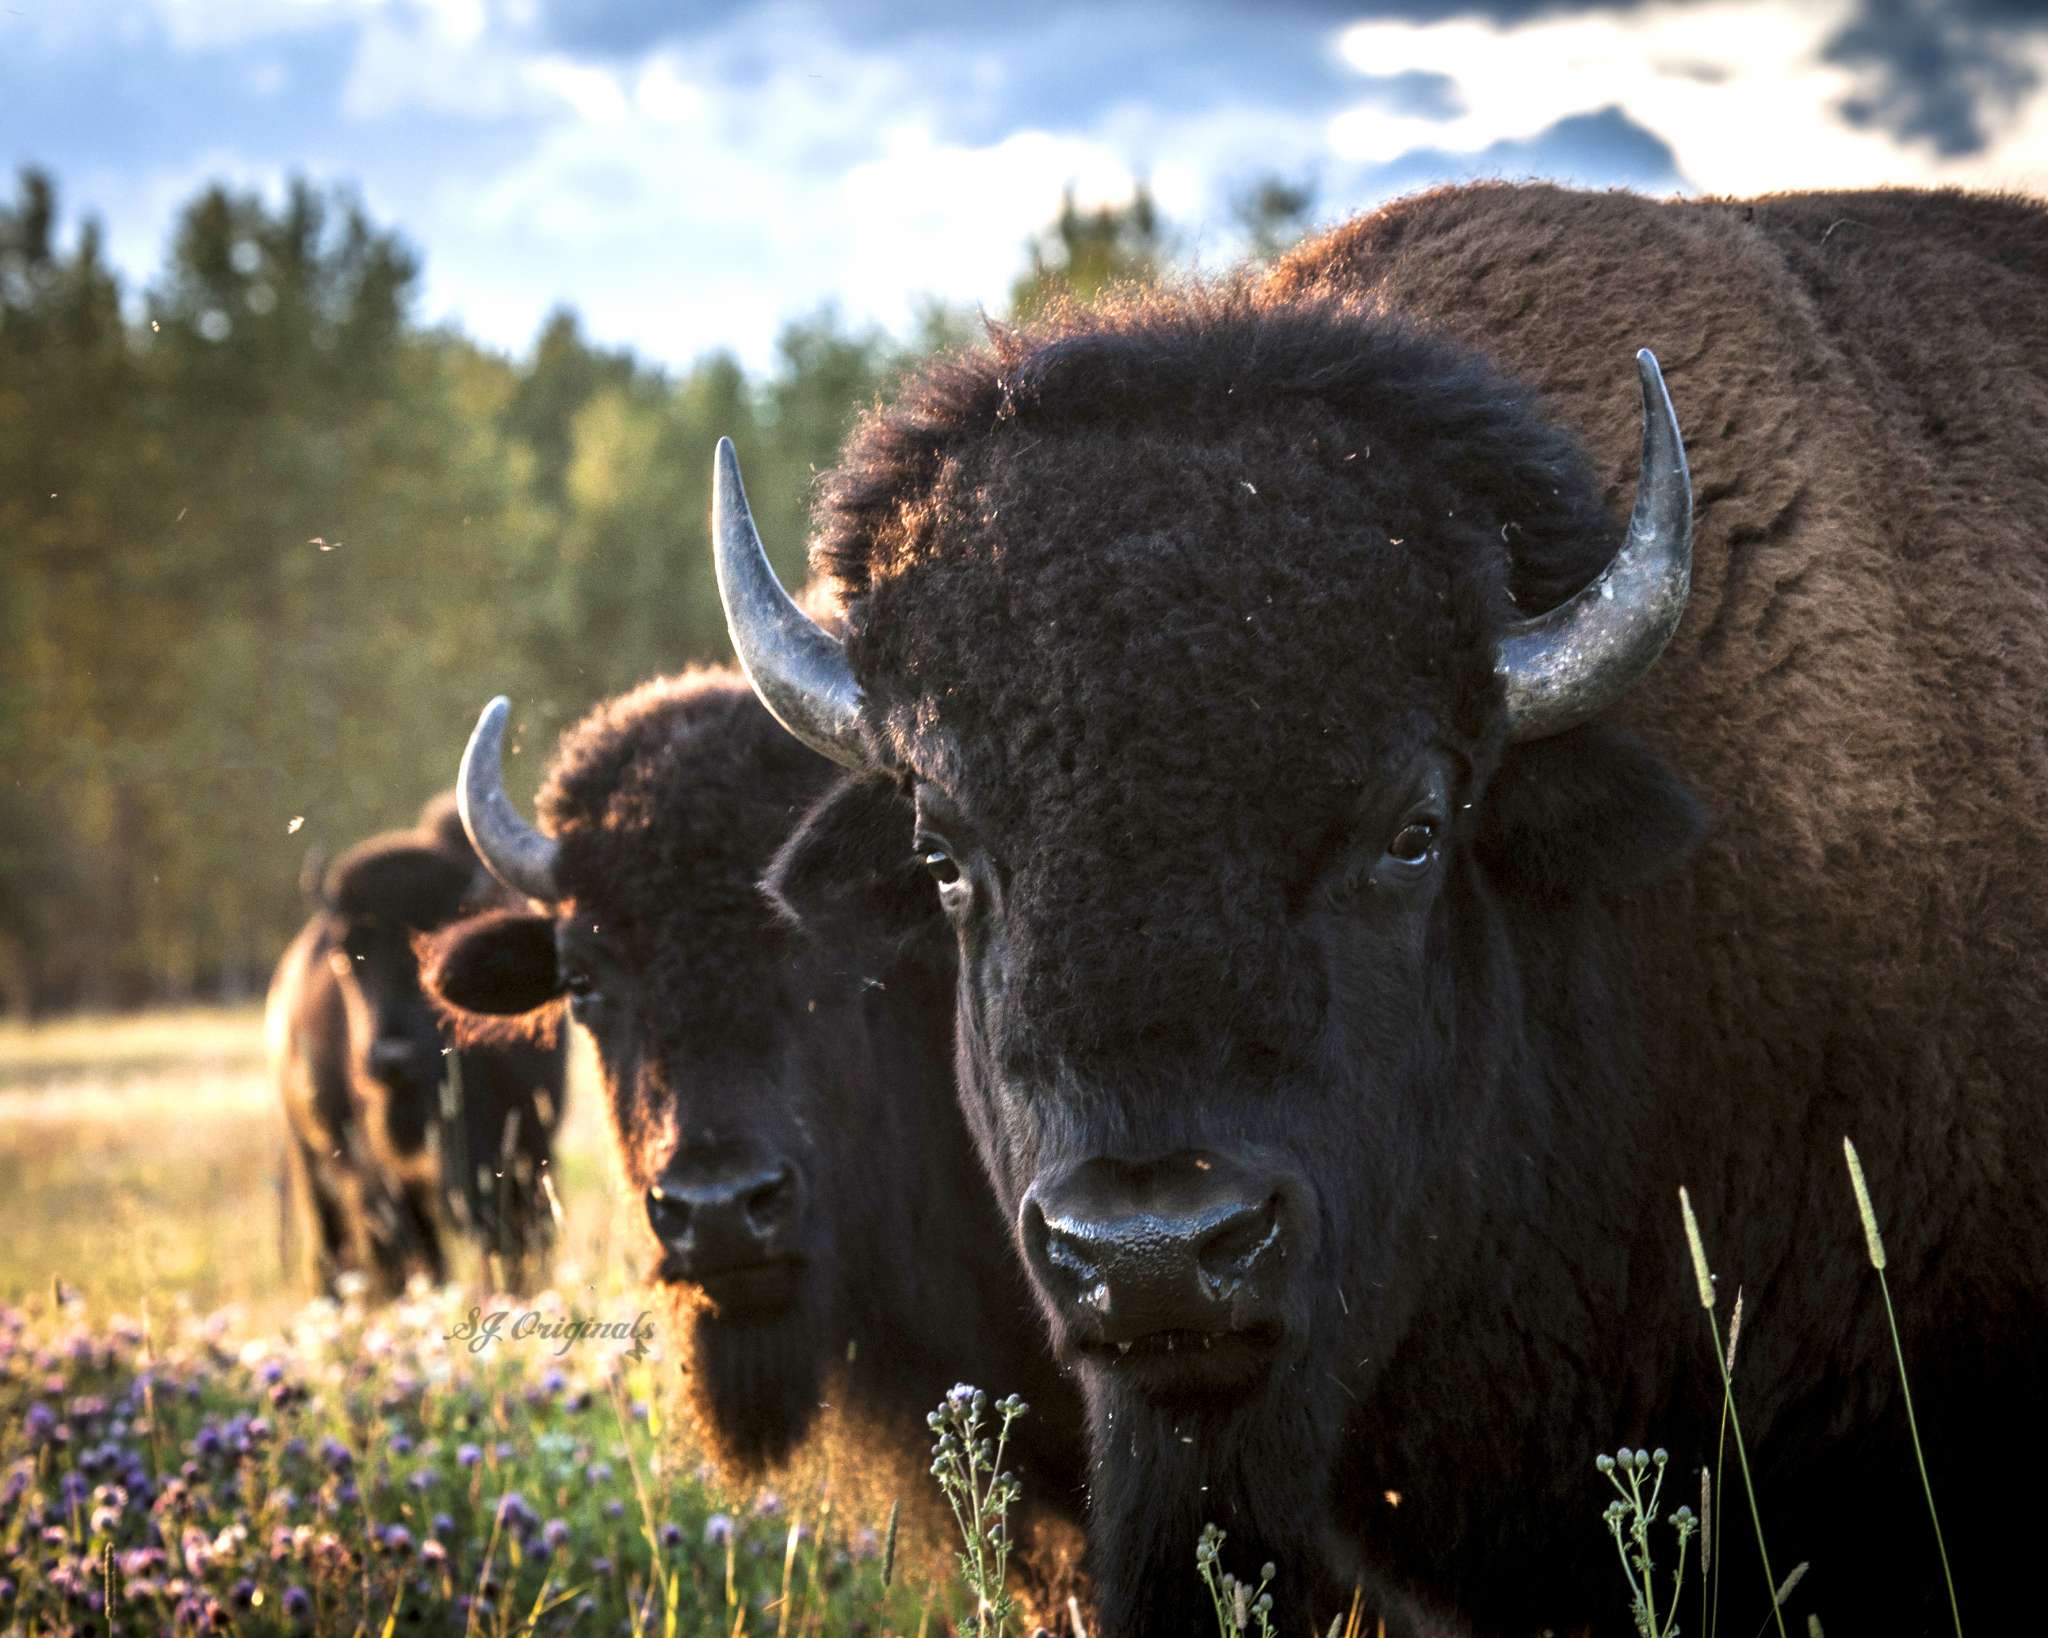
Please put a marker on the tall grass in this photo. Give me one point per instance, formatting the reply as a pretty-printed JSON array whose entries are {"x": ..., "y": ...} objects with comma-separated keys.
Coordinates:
[
  {"x": 1705, "y": 1276},
  {"x": 1874, "y": 1242}
]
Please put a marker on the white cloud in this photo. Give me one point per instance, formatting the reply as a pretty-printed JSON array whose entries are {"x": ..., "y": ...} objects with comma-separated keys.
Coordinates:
[{"x": 1738, "y": 88}]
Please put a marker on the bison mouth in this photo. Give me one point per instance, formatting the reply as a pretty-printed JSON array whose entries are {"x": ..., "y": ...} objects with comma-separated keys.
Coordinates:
[
  {"x": 1183, "y": 1363},
  {"x": 757, "y": 1291}
]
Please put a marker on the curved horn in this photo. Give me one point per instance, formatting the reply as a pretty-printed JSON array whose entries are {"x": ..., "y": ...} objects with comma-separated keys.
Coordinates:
[
  {"x": 511, "y": 849},
  {"x": 798, "y": 668},
  {"x": 1559, "y": 669}
]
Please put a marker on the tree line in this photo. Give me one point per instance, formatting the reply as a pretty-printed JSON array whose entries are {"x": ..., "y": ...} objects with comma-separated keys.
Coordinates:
[{"x": 267, "y": 543}]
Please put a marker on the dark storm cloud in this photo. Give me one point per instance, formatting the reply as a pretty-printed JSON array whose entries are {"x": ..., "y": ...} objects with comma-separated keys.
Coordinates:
[
  {"x": 1941, "y": 68},
  {"x": 1606, "y": 149}
]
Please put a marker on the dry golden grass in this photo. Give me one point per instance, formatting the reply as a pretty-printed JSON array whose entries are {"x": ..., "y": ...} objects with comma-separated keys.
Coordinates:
[{"x": 141, "y": 1156}]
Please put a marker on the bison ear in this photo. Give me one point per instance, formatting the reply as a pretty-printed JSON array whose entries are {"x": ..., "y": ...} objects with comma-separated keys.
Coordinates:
[
  {"x": 846, "y": 873},
  {"x": 1589, "y": 812},
  {"x": 499, "y": 964}
]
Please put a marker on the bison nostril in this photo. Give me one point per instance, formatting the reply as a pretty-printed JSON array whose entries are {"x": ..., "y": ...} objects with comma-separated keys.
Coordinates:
[
  {"x": 668, "y": 1213},
  {"x": 1231, "y": 1251},
  {"x": 768, "y": 1205}
]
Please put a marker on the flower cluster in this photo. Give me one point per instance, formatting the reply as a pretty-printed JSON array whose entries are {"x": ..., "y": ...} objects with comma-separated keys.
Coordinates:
[
  {"x": 1241, "y": 1608},
  {"x": 359, "y": 1472},
  {"x": 967, "y": 1460}
]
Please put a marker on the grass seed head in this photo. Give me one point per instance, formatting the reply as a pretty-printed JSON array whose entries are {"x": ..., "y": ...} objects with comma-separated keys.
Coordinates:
[
  {"x": 1699, "y": 1251},
  {"x": 1864, "y": 1207}
]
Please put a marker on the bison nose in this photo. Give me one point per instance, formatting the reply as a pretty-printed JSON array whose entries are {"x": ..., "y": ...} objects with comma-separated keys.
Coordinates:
[
  {"x": 1191, "y": 1243},
  {"x": 739, "y": 1217},
  {"x": 393, "y": 1055}
]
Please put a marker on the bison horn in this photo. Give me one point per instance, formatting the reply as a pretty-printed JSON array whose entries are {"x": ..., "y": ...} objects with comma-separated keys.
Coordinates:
[
  {"x": 1561, "y": 668},
  {"x": 798, "y": 668},
  {"x": 511, "y": 849}
]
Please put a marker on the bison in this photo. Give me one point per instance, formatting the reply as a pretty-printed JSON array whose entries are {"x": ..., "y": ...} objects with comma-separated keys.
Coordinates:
[
  {"x": 1363, "y": 933},
  {"x": 388, "y": 1133},
  {"x": 784, "y": 1109}
]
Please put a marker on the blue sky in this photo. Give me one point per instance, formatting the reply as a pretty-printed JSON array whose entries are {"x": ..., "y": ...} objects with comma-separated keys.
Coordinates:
[{"x": 691, "y": 175}]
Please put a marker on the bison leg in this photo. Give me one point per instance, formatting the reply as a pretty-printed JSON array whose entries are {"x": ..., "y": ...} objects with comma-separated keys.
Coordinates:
[{"x": 323, "y": 1223}]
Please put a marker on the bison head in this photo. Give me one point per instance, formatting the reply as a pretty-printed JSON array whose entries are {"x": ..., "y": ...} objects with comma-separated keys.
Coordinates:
[
  {"x": 1189, "y": 648},
  {"x": 375, "y": 899},
  {"x": 735, "y": 1061}
]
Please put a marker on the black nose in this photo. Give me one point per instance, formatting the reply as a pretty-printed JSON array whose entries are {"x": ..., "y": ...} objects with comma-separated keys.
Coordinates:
[
  {"x": 397, "y": 1055},
  {"x": 737, "y": 1217},
  {"x": 1191, "y": 1243}
]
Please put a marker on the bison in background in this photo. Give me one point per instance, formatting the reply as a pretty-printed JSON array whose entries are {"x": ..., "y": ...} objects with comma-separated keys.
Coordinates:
[
  {"x": 785, "y": 1110},
  {"x": 389, "y": 1133},
  {"x": 1360, "y": 939}
]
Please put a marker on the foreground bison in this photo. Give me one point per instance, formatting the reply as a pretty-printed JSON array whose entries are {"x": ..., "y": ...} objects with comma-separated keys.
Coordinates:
[
  {"x": 1360, "y": 940},
  {"x": 785, "y": 1110},
  {"x": 388, "y": 1134}
]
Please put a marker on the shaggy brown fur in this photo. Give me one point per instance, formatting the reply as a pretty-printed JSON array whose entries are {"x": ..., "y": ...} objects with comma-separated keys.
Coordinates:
[
  {"x": 377, "y": 1160},
  {"x": 1149, "y": 608},
  {"x": 724, "y": 1037}
]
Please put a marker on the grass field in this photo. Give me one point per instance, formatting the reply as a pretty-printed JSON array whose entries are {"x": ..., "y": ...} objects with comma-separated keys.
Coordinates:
[
  {"x": 188, "y": 1442},
  {"x": 141, "y": 1156}
]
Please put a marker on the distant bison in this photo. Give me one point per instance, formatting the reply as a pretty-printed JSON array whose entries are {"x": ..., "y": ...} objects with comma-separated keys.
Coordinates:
[
  {"x": 785, "y": 1110},
  {"x": 389, "y": 1132},
  {"x": 1361, "y": 939}
]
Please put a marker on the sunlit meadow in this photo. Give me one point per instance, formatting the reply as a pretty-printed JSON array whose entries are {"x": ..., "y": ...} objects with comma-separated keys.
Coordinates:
[{"x": 188, "y": 1445}]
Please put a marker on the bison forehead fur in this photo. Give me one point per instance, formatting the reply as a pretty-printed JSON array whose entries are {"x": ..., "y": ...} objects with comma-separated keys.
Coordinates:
[
  {"x": 1152, "y": 593},
  {"x": 669, "y": 802}
]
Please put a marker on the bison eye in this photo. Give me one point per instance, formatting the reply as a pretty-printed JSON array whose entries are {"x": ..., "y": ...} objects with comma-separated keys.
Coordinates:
[
  {"x": 942, "y": 866},
  {"x": 1413, "y": 841},
  {"x": 580, "y": 985}
]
